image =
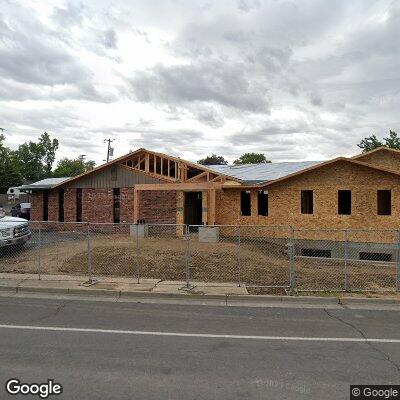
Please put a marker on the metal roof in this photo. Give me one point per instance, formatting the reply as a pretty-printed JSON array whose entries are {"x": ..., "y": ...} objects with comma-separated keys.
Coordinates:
[
  {"x": 257, "y": 173},
  {"x": 47, "y": 183}
]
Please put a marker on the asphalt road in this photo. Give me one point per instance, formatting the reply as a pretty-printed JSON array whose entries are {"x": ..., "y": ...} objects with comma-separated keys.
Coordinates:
[{"x": 114, "y": 350}]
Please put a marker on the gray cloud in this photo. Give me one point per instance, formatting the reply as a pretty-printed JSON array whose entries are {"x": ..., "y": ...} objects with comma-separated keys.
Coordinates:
[
  {"x": 306, "y": 79},
  {"x": 215, "y": 82},
  {"x": 35, "y": 64}
]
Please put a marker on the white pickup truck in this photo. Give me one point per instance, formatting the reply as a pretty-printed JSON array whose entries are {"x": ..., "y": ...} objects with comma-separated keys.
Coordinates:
[{"x": 14, "y": 231}]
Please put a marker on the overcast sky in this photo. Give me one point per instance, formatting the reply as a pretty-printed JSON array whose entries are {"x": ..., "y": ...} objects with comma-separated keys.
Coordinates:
[{"x": 297, "y": 80}]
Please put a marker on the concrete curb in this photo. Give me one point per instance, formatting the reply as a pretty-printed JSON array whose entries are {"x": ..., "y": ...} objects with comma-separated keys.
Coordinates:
[
  {"x": 360, "y": 301},
  {"x": 225, "y": 299}
]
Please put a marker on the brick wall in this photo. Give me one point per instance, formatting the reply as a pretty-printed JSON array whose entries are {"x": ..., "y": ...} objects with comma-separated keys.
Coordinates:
[
  {"x": 284, "y": 200},
  {"x": 70, "y": 205},
  {"x": 37, "y": 206},
  {"x": 53, "y": 205},
  {"x": 158, "y": 206},
  {"x": 126, "y": 205},
  {"x": 97, "y": 205}
]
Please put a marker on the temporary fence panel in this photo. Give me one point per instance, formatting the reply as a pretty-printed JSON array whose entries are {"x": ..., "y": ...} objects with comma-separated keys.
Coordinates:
[
  {"x": 264, "y": 256},
  {"x": 62, "y": 248},
  {"x": 214, "y": 253},
  {"x": 19, "y": 247},
  {"x": 162, "y": 251},
  {"x": 319, "y": 259},
  {"x": 373, "y": 257}
]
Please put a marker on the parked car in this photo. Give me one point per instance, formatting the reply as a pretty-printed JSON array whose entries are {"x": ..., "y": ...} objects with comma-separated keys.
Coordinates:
[
  {"x": 21, "y": 210},
  {"x": 14, "y": 231}
]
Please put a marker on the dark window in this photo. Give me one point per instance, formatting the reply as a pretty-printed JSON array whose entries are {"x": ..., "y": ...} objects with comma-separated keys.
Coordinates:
[
  {"x": 344, "y": 202},
  {"x": 384, "y": 202},
  {"x": 262, "y": 202},
  {"x": 375, "y": 256},
  {"x": 116, "y": 206},
  {"x": 307, "y": 202},
  {"x": 61, "y": 205},
  {"x": 45, "y": 206},
  {"x": 316, "y": 253},
  {"x": 78, "y": 205},
  {"x": 245, "y": 202}
]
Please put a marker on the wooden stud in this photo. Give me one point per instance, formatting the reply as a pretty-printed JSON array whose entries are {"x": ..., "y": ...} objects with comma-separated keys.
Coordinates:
[
  {"x": 197, "y": 177},
  {"x": 147, "y": 162},
  {"x": 211, "y": 207}
]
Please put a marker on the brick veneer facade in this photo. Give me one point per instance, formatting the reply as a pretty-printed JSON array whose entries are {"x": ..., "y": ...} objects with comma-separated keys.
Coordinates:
[
  {"x": 126, "y": 204},
  {"x": 37, "y": 206},
  {"x": 158, "y": 206},
  {"x": 97, "y": 206},
  {"x": 70, "y": 205},
  {"x": 53, "y": 205}
]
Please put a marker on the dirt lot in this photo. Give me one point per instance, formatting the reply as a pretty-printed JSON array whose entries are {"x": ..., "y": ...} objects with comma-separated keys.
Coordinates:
[{"x": 259, "y": 262}]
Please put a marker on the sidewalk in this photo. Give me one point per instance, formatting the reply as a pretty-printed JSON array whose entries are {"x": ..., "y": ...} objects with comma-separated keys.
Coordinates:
[
  {"x": 150, "y": 290},
  {"x": 69, "y": 283}
]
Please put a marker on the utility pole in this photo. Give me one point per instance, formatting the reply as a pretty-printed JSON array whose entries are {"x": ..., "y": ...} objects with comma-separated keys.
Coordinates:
[{"x": 110, "y": 150}]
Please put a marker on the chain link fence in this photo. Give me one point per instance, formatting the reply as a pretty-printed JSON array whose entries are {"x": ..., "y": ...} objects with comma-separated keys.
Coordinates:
[{"x": 250, "y": 256}]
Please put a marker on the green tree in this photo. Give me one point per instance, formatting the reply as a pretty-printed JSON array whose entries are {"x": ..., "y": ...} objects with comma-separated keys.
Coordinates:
[
  {"x": 251, "y": 158},
  {"x": 213, "y": 160},
  {"x": 36, "y": 159},
  {"x": 372, "y": 142},
  {"x": 49, "y": 148},
  {"x": 9, "y": 168},
  {"x": 67, "y": 167}
]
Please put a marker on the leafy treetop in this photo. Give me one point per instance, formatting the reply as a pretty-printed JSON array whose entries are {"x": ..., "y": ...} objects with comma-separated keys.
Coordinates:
[
  {"x": 251, "y": 158},
  {"x": 372, "y": 142},
  {"x": 213, "y": 160}
]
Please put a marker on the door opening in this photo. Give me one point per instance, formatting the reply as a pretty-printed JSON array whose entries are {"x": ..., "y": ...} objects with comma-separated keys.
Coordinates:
[{"x": 193, "y": 208}]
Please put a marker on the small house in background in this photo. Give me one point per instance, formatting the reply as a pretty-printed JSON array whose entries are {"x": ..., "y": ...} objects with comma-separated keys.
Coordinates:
[{"x": 146, "y": 186}]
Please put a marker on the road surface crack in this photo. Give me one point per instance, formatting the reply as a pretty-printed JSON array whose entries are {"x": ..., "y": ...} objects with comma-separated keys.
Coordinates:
[
  {"x": 52, "y": 314},
  {"x": 362, "y": 334}
]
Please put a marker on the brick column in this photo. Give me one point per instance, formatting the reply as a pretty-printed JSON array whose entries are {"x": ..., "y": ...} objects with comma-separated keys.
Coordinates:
[
  {"x": 53, "y": 205},
  {"x": 37, "y": 206},
  {"x": 126, "y": 204},
  {"x": 70, "y": 205}
]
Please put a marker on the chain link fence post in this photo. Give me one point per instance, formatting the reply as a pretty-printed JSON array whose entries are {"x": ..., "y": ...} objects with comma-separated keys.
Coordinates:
[
  {"x": 39, "y": 251},
  {"x": 187, "y": 256},
  {"x": 238, "y": 258},
  {"x": 137, "y": 253},
  {"x": 398, "y": 263},
  {"x": 346, "y": 259},
  {"x": 89, "y": 251},
  {"x": 292, "y": 266}
]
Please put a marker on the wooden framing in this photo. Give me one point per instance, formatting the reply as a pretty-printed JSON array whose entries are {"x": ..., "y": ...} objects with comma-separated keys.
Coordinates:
[
  {"x": 172, "y": 168},
  {"x": 190, "y": 186},
  {"x": 211, "y": 207},
  {"x": 139, "y": 160}
]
